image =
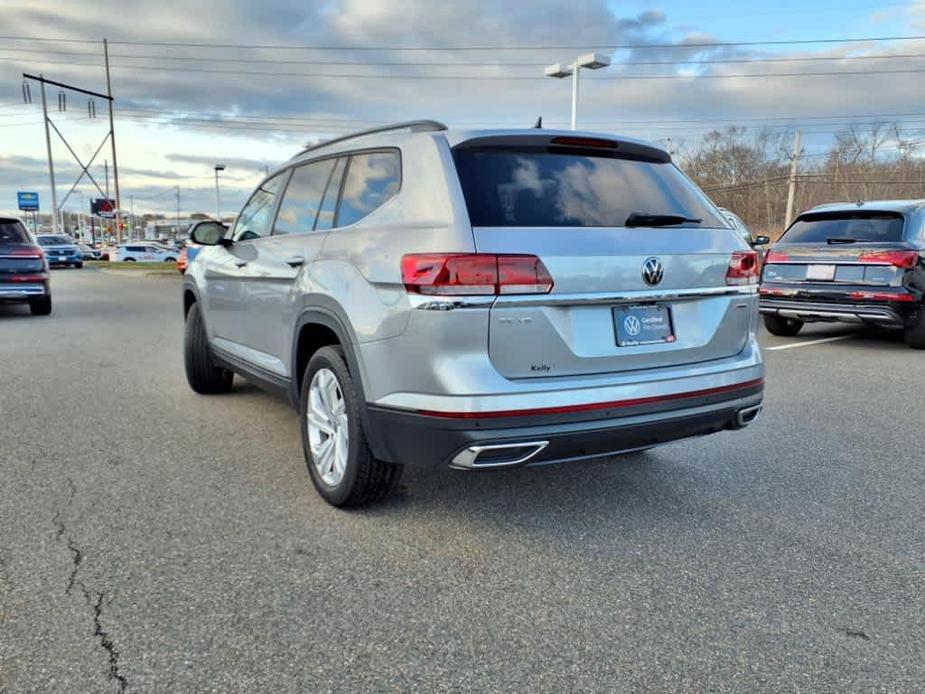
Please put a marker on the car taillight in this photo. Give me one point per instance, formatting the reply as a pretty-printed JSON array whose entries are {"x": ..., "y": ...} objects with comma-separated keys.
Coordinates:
[
  {"x": 474, "y": 273},
  {"x": 776, "y": 257},
  {"x": 743, "y": 268},
  {"x": 35, "y": 253},
  {"x": 880, "y": 296},
  {"x": 901, "y": 259}
]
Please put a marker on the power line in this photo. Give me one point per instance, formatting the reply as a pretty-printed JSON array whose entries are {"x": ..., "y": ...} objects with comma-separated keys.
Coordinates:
[
  {"x": 443, "y": 63},
  {"x": 583, "y": 46},
  {"x": 611, "y": 76}
]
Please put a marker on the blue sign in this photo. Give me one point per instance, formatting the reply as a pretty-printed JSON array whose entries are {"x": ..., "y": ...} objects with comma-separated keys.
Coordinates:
[{"x": 28, "y": 201}]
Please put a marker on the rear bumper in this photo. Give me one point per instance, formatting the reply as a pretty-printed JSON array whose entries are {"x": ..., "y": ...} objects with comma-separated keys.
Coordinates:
[
  {"x": 427, "y": 440},
  {"x": 22, "y": 291},
  {"x": 883, "y": 313}
]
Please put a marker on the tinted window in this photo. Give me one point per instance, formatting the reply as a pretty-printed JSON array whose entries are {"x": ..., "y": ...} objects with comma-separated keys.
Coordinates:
[
  {"x": 254, "y": 220},
  {"x": 535, "y": 187},
  {"x": 860, "y": 225},
  {"x": 12, "y": 232},
  {"x": 135, "y": 249},
  {"x": 371, "y": 180},
  {"x": 299, "y": 208},
  {"x": 329, "y": 204}
]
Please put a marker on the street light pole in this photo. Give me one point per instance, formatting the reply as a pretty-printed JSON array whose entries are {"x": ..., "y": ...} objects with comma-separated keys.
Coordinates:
[
  {"x": 218, "y": 195},
  {"x": 591, "y": 61}
]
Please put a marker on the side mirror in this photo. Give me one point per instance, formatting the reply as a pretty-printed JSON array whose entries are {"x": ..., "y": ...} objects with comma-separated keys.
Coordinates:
[
  {"x": 210, "y": 235},
  {"x": 761, "y": 241}
]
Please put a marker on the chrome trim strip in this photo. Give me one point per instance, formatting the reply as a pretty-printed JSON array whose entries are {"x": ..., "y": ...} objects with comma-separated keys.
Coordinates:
[
  {"x": 625, "y": 297},
  {"x": 424, "y": 302},
  {"x": 468, "y": 458},
  {"x": 24, "y": 290},
  {"x": 248, "y": 355}
]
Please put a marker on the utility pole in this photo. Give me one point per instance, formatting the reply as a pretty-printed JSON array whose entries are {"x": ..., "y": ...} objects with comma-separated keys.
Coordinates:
[
  {"x": 51, "y": 165},
  {"x": 791, "y": 188},
  {"x": 767, "y": 200},
  {"x": 112, "y": 141},
  {"x": 131, "y": 228}
]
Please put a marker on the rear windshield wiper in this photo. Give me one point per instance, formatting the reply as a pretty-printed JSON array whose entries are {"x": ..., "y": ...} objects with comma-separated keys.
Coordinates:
[
  {"x": 832, "y": 240},
  {"x": 641, "y": 219}
]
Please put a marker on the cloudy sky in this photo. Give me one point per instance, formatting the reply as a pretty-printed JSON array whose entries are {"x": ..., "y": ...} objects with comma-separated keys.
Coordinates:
[{"x": 245, "y": 83}]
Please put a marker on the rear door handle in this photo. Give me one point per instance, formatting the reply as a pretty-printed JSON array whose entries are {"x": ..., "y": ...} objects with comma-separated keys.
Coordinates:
[
  {"x": 240, "y": 263},
  {"x": 295, "y": 261}
]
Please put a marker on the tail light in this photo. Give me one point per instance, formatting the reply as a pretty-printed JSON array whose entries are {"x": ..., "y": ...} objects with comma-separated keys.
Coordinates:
[
  {"x": 35, "y": 253},
  {"x": 901, "y": 259},
  {"x": 776, "y": 257},
  {"x": 743, "y": 268},
  {"x": 474, "y": 273},
  {"x": 880, "y": 296}
]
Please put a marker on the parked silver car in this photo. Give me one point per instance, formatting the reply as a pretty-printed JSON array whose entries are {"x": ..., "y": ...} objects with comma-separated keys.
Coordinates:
[{"x": 478, "y": 300}]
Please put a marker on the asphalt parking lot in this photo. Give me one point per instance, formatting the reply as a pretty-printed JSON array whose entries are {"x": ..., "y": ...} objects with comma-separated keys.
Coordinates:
[{"x": 153, "y": 540}]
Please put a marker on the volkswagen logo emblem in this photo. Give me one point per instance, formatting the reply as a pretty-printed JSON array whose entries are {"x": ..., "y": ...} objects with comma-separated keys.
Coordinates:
[
  {"x": 652, "y": 271},
  {"x": 632, "y": 326}
]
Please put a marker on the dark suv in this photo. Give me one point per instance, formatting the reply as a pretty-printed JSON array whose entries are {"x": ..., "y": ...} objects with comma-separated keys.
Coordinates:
[
  {"x": 850, "y": 262},
  {"x": 23, "y": 268}
]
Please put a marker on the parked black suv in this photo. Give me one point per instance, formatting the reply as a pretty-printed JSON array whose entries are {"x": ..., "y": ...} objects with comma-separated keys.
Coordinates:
[{"x": 850, "y": 262}]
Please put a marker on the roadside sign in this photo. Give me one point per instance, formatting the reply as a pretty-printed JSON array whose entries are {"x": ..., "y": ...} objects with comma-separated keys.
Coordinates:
[
  {"x": 27, "y": 201},
  {"x": 103, "y": 207}
]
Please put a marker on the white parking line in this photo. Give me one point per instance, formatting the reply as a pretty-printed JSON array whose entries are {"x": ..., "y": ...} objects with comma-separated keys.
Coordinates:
[{"x": 807, "y": 343}]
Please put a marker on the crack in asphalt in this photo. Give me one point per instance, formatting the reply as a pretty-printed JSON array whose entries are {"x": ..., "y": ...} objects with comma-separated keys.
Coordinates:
[{"x": 76, "y": 560}]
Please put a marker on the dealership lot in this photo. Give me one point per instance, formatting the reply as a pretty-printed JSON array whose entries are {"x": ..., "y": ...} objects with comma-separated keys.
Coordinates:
[{"x": 155, "y": 540}]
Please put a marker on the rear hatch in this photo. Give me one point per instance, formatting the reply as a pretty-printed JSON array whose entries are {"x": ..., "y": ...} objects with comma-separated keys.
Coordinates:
[
  {"x": 829, "y": 252},
  {"x": 571, "y": 202},
  {"x": 18, "y": 255}
]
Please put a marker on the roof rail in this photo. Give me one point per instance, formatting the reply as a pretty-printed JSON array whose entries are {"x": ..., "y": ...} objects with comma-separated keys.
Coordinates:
[{"x": 412, "y": 125}]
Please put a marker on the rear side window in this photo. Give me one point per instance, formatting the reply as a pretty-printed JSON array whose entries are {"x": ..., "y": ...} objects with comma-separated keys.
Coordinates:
[
  {"x": 535, "y": 187},
  {"x": 870, "y": 226},
  {"x": 302, "y": 200},
  {"x": 372, "y": 179},
  {"x": 12, "y": 231}
]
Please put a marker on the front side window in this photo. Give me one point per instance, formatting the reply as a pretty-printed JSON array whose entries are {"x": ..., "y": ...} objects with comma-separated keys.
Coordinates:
[
  {"x": 302, "y": 199},
  {"x": 12, "y": 231},
  {"x": 535, "y": 187},
  {"x": 372, "y": 179},
  {"x": 254, "y": 220}
]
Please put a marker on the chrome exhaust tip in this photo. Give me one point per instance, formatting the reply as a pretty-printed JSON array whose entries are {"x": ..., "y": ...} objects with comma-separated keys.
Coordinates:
[
  {"x": 496, "y": 455},
  {"x": 747, "y": 416}
]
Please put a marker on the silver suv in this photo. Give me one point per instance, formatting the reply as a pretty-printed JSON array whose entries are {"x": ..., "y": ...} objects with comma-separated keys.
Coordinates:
[{"x": 478, "y": 300}]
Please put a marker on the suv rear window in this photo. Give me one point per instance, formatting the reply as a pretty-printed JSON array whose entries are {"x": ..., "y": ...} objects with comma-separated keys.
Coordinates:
[
  {"x": 540, "y": 188},
  {"x": 12, "y": 231},
  {"x": 870, "y": 226}
]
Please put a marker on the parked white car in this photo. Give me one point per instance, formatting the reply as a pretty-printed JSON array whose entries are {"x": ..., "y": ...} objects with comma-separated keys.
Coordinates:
[{"x": 145, "y": 253}]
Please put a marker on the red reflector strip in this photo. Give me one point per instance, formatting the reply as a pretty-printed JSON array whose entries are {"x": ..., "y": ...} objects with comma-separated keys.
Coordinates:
[
  {"x": 880, "y": 296},
  {"x": 589, "y": 407},
  {"x": 776, "y": 257}
]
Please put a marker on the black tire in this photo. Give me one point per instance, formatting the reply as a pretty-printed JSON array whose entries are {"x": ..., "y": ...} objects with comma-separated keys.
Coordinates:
[
  {"x": 202, "y": 374},
  {"x": 78, "y": 265},
  {"x": 365, "y": 478},
  {"x": 129, "y": 260},
  {"x": 170, "y": 260},
  {"x": 40, "y": 306},
  {"x": 782, "y": 327},
  {"x": 915, "y": 331}
]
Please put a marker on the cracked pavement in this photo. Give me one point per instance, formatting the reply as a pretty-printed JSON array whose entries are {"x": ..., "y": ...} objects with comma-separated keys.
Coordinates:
[{"x": 152, "y": 540}]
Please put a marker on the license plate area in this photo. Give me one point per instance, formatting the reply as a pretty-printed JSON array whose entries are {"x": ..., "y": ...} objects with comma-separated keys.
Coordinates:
[
  {"x": 823, "y": 273},
  {"x": 642, "y": 325}
]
